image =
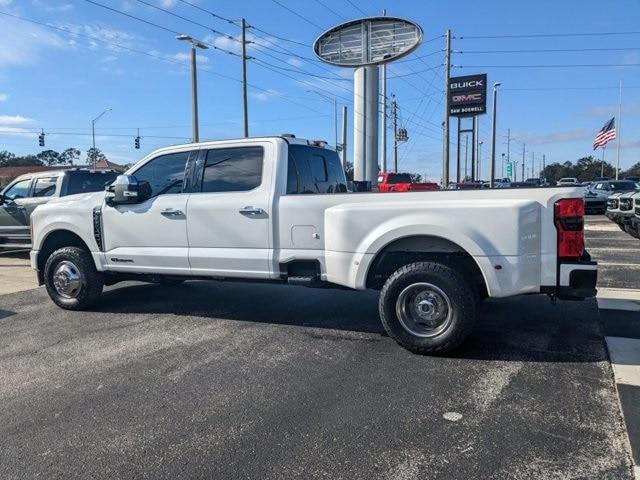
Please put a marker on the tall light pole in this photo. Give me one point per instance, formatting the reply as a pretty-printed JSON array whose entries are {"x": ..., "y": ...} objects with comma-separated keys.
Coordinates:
[
  {"x": 335, "y": 112},
  {"x": 480, "y": 143},
  {"x": 194, "y": 83},
  {"x": 493, "y": 136},
  {"x": 93, "y": 134}
]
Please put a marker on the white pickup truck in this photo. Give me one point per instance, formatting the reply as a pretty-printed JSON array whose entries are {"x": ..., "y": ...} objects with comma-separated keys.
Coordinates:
[{"x": 278, "y": 209}]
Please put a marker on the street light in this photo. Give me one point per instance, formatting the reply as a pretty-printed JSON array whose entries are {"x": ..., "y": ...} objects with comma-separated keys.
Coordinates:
[
  {"x": 93, "y": 134},
  {"x": 493, "y": 136},
  {"x": 335, "y": 111},
  {"x": 194, "y": 82}
]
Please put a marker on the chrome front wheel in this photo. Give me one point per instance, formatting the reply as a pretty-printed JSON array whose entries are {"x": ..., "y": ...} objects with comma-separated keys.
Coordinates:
[{"x": 68, "y": 279}]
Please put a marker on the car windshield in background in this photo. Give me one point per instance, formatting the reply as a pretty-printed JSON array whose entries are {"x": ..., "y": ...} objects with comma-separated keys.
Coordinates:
[
  {"x": 82, "y": 182},
  {"x": 622, "y": 186},
  {"x": 399, "y": 178}
]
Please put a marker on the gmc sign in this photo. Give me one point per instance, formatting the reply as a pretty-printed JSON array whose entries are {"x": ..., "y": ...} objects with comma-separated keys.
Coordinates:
[{"x": 467, "y": 95}]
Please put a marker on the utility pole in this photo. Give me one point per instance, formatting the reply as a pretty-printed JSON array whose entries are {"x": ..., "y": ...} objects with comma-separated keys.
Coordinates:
[
  {"x": 544, "y": 163},
  {"x": 394, "y": 113},
  {"x": 619, "y": 127},
  {"x": 383, "y": 140},
  {"x": 447, "y": 76},
  {"x": 344, "y": 137},
  {"x": 533, "y": 164},
  {"x": 492, "y": 180},
  {"x": 523, "y": 161},
  {"x": 245, "y": 108},
  {"x": 508, "y": 147}
]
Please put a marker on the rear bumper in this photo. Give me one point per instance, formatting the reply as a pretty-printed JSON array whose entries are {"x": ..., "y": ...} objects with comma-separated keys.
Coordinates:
[{"x": 576, "y": 279}]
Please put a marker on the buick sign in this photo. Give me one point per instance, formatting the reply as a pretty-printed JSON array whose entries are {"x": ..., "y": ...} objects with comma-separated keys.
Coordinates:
[{"x": 468, "y": 95}]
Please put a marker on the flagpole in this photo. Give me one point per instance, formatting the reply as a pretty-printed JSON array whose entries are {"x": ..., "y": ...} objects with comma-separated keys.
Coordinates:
[
  {"x": 618, "y": 130},
  {"x": 602, "y": 163}
]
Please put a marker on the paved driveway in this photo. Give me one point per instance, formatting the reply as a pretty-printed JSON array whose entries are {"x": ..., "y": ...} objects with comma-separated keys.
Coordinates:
[{"x": 234, "y": 380}]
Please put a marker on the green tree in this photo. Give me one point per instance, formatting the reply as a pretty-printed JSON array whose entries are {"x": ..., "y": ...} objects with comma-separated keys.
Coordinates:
[
  {"x": 634, "y": 170},
  {"x": 95, "y": 155},
  {"x": 49, "y": 157},
  {"x": 70, "y": 155},
  {"x": 416, "y": 178}
]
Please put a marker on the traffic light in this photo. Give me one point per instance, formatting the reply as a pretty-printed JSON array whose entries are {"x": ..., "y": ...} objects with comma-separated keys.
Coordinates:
[
  {"x": 509, "y": 169},
  {"x": 136, "y": 142},
  {"x": 402, "y": 135},
  {"x": 41, "y": 139}
]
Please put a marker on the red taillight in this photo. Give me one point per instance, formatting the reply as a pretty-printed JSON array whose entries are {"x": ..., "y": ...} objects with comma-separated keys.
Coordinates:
[{"x": 569, "y": 221}]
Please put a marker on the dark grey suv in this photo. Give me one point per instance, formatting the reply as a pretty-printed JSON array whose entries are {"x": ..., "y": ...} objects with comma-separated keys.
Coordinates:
[{"x": 20, "y": 198}]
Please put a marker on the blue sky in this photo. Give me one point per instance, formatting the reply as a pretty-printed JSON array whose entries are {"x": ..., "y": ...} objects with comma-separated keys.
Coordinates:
[{"x": 57, "y": 81}]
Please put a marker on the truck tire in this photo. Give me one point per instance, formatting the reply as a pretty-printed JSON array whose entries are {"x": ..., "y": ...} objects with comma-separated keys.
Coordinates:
[
  {"x": 428, "y": 307},
  {"x": 71, "y": 278}
]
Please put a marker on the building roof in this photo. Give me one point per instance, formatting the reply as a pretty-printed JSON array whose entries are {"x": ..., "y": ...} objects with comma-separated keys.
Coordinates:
[{"x": 105, "y": 164}]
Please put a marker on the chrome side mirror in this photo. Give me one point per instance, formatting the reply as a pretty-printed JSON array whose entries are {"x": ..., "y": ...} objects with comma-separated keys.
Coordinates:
[{"x": 127, "y": 190}]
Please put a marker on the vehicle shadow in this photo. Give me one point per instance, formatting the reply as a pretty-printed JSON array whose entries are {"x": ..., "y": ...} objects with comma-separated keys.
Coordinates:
[{"x": 525, "y": 328}]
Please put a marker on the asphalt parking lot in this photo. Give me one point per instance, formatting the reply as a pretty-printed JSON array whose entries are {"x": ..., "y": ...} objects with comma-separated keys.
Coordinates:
[{"x": 212, "y": 380}]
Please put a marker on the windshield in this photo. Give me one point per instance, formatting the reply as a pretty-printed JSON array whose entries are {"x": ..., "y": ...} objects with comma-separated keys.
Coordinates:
[
  {"x": 622, "y": 186},
  {"x": 399, "y": 178}
]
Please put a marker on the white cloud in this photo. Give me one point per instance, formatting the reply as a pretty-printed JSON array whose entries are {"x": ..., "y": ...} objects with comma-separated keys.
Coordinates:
[
  {"x": 3, "y": 97},
  {"x": 266, "y": 95},
  {"x": 295, "y": 62},
  {"x": 14, "y": 125},
  {"x": 14, "y": 120},
  {"x": 612, "y": 110},
  {"x": 22, "y": 44},
  {"x": 234, "y": 44},
  {"x": 168, "y": 3},
  {"x": 186, "y": 58},
  {"x": 52, "y": 7}
]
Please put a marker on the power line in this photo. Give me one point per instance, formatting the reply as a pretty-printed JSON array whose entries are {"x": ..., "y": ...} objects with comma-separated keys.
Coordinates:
[
  {"x": 324, "y": 5},
  {"x": 418, "y": 72},
  {"x": 280, "y": 38},
  {"x": 552, "y": 66},
  {"x": 294, "y": 70},
  {"x": 149, "y": 54},
  {"x": 356, "y": 7},
  {"x": 133, "y": 17},
  {"x": 297, "y": 14},
  {"x": 546, "y": 35},
  {"x": 215, "y": 15},
  {"x": 169, "y": 12},
  {"x": 551, "y": 50}
]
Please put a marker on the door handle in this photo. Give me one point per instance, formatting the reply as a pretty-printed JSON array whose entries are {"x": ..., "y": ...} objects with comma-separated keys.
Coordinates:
[
  {"x": 170, "y": 212},
  {"x": 251, "y": 211}
]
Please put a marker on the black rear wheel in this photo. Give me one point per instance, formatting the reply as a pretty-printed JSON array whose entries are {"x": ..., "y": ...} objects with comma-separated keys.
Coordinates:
[{"x": 428, "y": 307}]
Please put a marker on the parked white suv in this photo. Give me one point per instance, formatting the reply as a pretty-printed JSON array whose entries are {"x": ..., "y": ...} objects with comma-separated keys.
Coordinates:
[
  {"x": 564, "y": 182},
  {"x": 277, "y": 209}
]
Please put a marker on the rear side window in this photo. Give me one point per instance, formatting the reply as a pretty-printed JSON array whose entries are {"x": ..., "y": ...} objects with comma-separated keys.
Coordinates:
[
  {"x": 165, "y": 173},
  {"x": 81, "y": 182},
  {"x": 399, "y": 178},
  {"x": 233, "y": 169},
  {"x": 314, "y": 170},
  {"x": 45, "y": 186}
]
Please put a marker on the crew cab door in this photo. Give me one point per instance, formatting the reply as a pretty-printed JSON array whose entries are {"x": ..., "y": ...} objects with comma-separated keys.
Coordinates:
[
  {"x": 151, "y": 237},
  {"x": 14, "y": 223},
  {"x": 229, "y": 212}
]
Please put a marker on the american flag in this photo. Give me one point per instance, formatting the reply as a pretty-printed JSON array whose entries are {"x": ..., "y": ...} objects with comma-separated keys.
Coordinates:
[{"x": 607, "y": 133}]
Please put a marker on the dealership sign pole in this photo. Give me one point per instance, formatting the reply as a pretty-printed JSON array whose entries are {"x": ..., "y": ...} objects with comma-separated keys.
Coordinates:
[
  {"x": 467, "y": 97},
  {"x": 364, "y": 44}
]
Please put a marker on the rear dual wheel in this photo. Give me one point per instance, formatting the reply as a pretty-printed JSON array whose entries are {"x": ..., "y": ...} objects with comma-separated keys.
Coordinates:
[{"x": 428, "y": 307}]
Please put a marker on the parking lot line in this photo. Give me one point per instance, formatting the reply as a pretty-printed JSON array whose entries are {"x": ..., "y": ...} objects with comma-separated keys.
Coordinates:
[
  {"x": 625, "y": 358},
  {"x": 626, "y": 299}
]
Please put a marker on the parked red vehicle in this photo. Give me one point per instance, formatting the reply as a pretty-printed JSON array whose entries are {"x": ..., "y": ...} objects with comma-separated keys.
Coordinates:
[{"x": 401, "y": 182}]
